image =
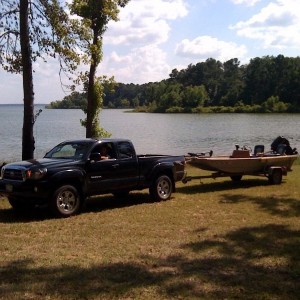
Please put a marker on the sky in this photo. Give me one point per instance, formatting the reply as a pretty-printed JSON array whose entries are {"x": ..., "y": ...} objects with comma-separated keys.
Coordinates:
[{"x": 153, "y": 37}]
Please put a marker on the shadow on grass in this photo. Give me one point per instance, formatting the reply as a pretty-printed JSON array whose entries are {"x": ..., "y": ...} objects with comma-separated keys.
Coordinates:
[
  {"x": 275, "y": 205},
  {"x": 249, "y": 263},
  {"x": 8, "y": 215},
  {"x": 203, "y": 187},
  {"x": 72, "y": 282},
  {"x": 95, "y": 204},
  {"x": 108, "y": 202}
]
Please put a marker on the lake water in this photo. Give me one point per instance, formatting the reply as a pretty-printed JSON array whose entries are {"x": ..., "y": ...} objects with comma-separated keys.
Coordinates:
[{"x": 150, "y": 133}]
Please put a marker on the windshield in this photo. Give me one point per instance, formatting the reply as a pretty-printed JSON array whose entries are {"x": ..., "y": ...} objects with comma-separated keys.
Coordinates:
[{"x": 70, "y": 150}]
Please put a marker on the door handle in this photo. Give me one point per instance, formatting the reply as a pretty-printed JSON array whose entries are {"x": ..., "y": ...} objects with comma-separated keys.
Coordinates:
[{"x": 115, "y": 166}]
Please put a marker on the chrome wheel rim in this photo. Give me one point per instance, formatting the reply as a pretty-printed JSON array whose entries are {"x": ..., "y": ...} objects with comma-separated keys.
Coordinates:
[
  {"x": 164, "y": 188},
  {"x": 66, "y": 201}
]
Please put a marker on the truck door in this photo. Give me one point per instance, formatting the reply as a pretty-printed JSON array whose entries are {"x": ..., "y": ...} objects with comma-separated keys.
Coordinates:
[
  {"x": 128, "y": 168},
  {"x": 102, "y": 171},
  {"x": 119, "y": 171}
]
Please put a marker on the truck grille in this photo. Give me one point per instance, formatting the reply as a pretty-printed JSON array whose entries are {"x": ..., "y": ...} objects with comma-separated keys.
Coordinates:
[{"x": 13, "y": 174}]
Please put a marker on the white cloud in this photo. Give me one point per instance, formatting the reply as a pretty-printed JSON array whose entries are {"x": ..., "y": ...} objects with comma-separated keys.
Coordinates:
[
  {"x": 143, "y": 25},
  {"x": 142, "y": 65},
  {"x": 11, "y": 88},
  {"x": 204, "y": 47},
  {"x": 46, "y": 84},
  {"x": 277, "y": 25},
  {"x": 247, "y": 2},
  {"x": 144, "y": 22},
  {"x": 142, "y": 28}
]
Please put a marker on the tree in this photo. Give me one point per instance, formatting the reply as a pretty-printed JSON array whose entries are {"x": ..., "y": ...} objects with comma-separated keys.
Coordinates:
[
  {"x": 171, "y": 97},
  {"x": 273, "y": 104},
  {"x": 258, "y": 83},
  {"x": 194, "y": 96},
  {"x": 100, "y": 84},
  {"x": 29, "y": 30},
  {"x": 95, "y": 15},
  {"x": 232, "y": 85},
  {"x": 28, "y": 118}
]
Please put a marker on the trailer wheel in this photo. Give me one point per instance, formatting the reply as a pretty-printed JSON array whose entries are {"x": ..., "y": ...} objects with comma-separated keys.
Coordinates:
[
  {"x": 161, "y": 189},
  {"x": 66, "y": 201},
  {"x": 236, "y": 177},
  {"x": 276, "y": 176}
]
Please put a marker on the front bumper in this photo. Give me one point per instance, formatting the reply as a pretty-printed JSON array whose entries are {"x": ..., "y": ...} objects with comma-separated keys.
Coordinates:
[{"x": 37, "y": 192}]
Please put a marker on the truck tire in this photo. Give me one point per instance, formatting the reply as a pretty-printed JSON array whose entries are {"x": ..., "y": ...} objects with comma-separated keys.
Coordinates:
[
  {"x": 161, "y": 188},
  {"x": 66, "y": 201}
]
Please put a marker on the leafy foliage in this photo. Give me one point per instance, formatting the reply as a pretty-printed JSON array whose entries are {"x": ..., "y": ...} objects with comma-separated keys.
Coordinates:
[
  {"x": 97, "y": 96},
  {"x": 29, "y": 30},
  {"x": 268, "y": 84},
  {"x": 95, "y": 16},
  {"x": 51, "y": 33},
  {"x": 74, "y": 100}
]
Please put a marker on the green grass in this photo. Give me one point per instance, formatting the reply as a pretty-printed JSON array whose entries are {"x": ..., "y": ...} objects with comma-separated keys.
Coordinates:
[{"x": 213, "y": 240}]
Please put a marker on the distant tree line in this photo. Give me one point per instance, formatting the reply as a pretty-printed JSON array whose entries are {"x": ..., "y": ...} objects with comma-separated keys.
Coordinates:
[{"x": 267, "y": 84}]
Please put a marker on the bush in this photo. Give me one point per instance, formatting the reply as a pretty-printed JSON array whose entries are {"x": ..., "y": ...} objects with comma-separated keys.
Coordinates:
[{"x": 175, "y": 109}]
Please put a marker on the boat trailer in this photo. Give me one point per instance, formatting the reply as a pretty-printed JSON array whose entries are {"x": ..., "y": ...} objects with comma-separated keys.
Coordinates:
[{"x": 273, "y": 173}]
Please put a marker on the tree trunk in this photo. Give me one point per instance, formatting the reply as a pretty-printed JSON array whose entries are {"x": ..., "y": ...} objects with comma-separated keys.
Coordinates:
[
  {"x": 28, "y": 118},
  {"x": 91, "y": 101}
]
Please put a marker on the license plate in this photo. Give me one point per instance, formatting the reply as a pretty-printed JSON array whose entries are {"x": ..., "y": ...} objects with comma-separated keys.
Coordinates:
[{"x": 9, "y": 188}]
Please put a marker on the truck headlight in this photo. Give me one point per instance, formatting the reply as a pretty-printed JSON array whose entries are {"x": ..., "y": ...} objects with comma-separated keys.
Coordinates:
[{"x": 36, "y": 173}]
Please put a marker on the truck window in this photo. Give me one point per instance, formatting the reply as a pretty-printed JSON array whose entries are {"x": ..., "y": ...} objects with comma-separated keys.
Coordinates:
[
  {"x": 125, "y": 150},
  {"x": 68, "y": 150},
  {"x": 105, "y": 149}
]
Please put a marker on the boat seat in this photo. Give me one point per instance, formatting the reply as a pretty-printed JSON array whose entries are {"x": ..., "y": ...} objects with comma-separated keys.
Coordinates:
[
  {"x": 240, "y": 154},
  {"x": 259, "y": 149}
]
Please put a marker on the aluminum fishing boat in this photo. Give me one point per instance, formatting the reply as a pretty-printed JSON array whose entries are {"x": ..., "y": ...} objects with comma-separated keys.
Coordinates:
[{"x": 242, "y": 161}]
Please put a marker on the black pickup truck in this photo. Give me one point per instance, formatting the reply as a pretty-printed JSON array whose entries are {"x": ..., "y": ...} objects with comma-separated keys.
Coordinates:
[{"x": 77, "y": 169}]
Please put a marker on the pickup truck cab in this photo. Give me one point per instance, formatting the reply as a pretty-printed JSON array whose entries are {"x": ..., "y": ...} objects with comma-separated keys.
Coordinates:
[{"x": 77, "y": 169}]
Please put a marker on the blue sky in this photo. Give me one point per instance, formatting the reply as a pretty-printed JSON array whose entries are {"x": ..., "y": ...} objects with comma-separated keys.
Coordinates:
[{"x": 155, "y": 36}]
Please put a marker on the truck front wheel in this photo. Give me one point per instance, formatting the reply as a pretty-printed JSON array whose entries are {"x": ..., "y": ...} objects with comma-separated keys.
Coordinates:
[
  {"x": 161, "y": 189},
  {"x": 66, "y": 201}
]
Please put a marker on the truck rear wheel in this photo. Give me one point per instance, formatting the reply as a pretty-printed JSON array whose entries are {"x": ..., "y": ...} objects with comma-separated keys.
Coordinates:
[
  {"x": 66, "y": 201},
  {"x": 161, "y": 189}
]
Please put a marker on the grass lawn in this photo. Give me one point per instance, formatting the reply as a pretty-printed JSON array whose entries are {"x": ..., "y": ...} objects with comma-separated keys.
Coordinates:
[{"x": 213, "y": 240}]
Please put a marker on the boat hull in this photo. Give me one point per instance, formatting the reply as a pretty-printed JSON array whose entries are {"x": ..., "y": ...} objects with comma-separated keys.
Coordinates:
[{"x": 230, "y": 165}]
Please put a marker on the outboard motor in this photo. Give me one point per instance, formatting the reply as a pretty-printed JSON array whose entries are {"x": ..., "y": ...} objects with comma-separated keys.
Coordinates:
[{"x": 279, "y": 142}]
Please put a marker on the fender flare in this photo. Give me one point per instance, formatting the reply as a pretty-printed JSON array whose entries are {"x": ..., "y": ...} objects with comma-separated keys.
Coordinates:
[
  {"x": 75, "y": 177},
  {"x": 160, "y": 169}
]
